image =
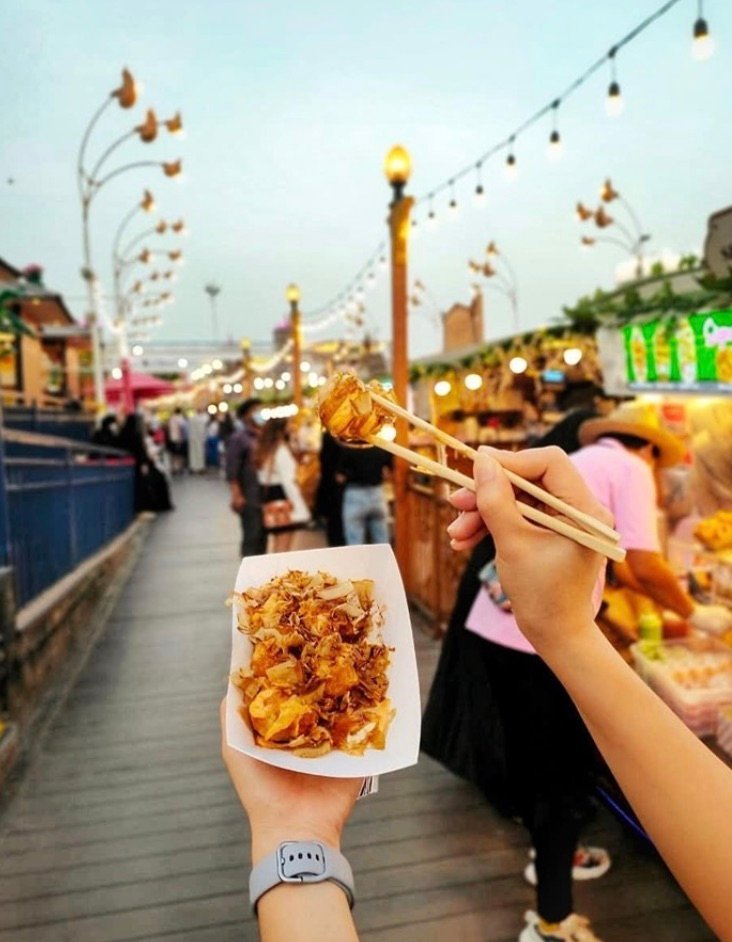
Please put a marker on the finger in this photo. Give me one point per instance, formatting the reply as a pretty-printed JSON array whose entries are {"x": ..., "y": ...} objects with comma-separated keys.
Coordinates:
[
  {"x": 497, "y": 502},
  {"x": 463, "y": 499},
  {"x": 460, "y": 545},
  {"x": 466, "y": 526},
  {"x": 551, "y": 468}
]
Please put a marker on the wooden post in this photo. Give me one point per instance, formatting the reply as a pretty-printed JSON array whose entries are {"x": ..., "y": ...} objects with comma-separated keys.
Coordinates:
[
  {"x": 296, "y": 354},
  {"x": 399, "y": 230}
]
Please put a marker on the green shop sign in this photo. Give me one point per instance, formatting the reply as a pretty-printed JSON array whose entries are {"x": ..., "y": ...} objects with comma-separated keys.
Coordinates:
[{"x": 691, "y": 353}]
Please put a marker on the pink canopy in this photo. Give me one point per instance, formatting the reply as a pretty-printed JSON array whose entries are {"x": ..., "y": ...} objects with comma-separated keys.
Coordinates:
[{"x": 143, "y": 386}]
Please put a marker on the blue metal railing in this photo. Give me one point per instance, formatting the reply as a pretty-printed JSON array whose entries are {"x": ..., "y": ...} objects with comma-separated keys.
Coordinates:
[
  {"x": 76, "y": 425},
  {"x": 63, "y": 501}
]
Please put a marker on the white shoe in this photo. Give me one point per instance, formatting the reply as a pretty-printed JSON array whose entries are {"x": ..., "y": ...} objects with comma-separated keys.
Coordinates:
[
  {"x": 572, "y": 929},
  {"x": 589, "y": 864}
]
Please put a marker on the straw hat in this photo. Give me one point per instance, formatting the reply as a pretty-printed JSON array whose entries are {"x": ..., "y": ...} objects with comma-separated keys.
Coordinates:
[{"x": 641, "y": 420}]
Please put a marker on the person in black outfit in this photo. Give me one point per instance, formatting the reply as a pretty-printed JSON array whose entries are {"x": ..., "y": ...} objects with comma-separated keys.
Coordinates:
[
  {"x": 151, "y": 486},
  {"x": 107, "y": 435},
  {"x": 329, "y": 495}
]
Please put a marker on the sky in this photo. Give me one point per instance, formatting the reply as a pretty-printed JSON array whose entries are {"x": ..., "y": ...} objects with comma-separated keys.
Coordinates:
[{"x": 289, "y": 109}]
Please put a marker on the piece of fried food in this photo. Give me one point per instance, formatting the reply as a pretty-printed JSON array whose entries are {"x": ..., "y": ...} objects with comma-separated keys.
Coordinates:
[
  {"x": 348, "y": 410},
  {"x": 317, "y": 679},
  {"x": 715, "y": 532}
]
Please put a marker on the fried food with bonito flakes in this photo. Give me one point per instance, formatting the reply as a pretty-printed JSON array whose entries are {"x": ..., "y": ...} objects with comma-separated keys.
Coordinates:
[
  {"x": 348, "y": 410},
  {"x": 317, "y": 679}
]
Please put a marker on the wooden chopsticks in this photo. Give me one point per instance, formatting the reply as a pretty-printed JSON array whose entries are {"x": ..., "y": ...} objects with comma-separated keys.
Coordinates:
[{"x": 589, "y": 532}]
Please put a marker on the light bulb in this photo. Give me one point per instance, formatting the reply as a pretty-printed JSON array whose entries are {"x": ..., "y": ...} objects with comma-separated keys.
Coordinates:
[
  {"x": 702, "y": 47},
  {"x": 473, "y": 381},
  {"x": 285, "y": 377},
  {"x": 452, "y": 207},
  {"x": 554, "y": 150},
  {"x": 305, "y": 366},
  {"x": 614, "y": 103},
  {"x": 223, "y": 407},
  {"x": 116, "y": 373},
  {"x": 518, "y": 365},
  {"x": 279, "y": 384},
  {"x": 479, "y": 194},
  {"x": 572, "y": 356},
  {"x": 137, "y": 350},
  {"x": 387, "y": 432},
  {"x": 238, "y": 387},
  {"x": 258, "y": 382},
  {"x": 268, "y": 382},
  {"x": 431, "y": 220},
  {"x": 511, "y": 167},
  {"x": 443, "y": 388},
  {"x": 217, "y": 364},
  {"x": 228, "y": 388},
  {"x": 212, "y": 410},
  {"x": 182, "y": 363}
]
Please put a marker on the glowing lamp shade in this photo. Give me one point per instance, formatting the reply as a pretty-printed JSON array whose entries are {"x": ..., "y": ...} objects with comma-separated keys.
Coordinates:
[
  {"x": 126, "y": 94},
  {"x": 238, "y": 387},
  {"x": 518, "y": 365},
  {"x": 473, "y": 381},
  {"x": 172, "y": 168},
  {"x": 388, "y": 433},
  {"x": 305, "y": 366},
  {"x": 572, "y": 356},
  {"x": 223, "y": 407},
  {"x": 279, "y": 385},
  {"x": 614, "y": 102},
  {"x": 292, "y": 293},
  {"x": 116, "y": 373},
  {"x": 398, "y": 166},
  {"x": 228, "y": 388},
  {"x": 442, "y": 388},
  {"x": 268, "y": 383},
  {"x": 212, "y": 410},
  {"x": 285, "y": 377},
  {"x": 174, "y": 125},
  {"x": 148, "y": 130},
  {"x": 258, "y": 382},
  {"x": 702, "y": 47},
  {"x": 137, "y": 350}
]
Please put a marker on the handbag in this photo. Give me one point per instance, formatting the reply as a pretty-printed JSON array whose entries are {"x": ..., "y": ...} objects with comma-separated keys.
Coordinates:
[{"x": 275, "y": 513}]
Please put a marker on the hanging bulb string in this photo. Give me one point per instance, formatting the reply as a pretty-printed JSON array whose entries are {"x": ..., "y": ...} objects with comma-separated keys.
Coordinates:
[
  {"x": 547, "y": 108},
  {"x": 552, "y": 105}
]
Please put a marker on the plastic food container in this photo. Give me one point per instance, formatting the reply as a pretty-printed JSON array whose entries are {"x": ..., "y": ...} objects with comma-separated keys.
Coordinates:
[{"x": 693, "y": 675}]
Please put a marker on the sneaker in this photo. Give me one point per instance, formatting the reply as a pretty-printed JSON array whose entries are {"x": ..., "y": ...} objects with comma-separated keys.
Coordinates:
[
  {"x": 589, "y": 864},
  {"x": 572, "y": 929}
]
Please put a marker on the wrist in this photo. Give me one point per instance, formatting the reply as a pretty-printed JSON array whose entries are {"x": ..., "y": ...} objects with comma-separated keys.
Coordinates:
[{"x": 267, "y": 838}]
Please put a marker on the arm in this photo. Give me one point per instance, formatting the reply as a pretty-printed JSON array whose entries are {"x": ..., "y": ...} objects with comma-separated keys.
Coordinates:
[
  {"x": 657, "y": 580},
  {"x": 235, "y": 454},
  {"x": 680, "y": 791},
  {"x": 282, "y": 806}
]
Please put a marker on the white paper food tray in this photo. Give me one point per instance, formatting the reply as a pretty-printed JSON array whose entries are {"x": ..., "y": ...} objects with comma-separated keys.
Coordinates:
[{"x": 345, "y": 562}]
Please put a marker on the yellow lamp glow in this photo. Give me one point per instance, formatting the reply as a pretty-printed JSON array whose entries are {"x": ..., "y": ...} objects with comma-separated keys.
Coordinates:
[
  {"x": 292, "y": 293},
  {"x": 518, "y": 365},
  {"x": 473, "y": 381},
  {"x": 702, "y": 47},
  {"x": 443, "y": 388},
  {"x": 398, "y": 166},
  {"x": 572, "y": 356},
  {"x": 387, "y": 432}
]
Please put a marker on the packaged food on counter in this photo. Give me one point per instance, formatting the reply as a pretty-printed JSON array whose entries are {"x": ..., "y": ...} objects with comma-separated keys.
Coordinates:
[
  {"x": 715, "y": 532},
  {"x": 693, "y": 675}
]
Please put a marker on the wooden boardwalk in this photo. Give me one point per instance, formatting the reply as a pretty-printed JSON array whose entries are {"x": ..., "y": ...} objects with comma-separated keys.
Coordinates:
[{"x": 126, "y": 827}]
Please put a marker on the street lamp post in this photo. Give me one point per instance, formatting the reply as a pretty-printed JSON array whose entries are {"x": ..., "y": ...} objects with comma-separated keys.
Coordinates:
[
  {"x": 213, "y": 291},
  {"x": 398, "y": 167},
  {"x": 631, "y": 239},
  {"x": 90, "y": 183},
  {"x": 293, "y": 296},
  {"x": 503, "y": 278}
]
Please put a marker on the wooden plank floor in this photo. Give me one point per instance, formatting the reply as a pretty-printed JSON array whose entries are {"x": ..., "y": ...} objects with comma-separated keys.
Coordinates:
[{"x": 126, "y": 828}]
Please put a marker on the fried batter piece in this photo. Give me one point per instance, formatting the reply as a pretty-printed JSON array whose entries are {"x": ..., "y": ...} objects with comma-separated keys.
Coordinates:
[
  {"x": 347, "y": 409},
  {"x": 317, "y": 677}
]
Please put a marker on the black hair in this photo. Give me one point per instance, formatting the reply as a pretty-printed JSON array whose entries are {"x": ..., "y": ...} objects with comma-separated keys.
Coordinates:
[
  {"x": 565, "y": 434},
  {"x": 244, "y": 408},
  {"x": 632, "y": 442}
]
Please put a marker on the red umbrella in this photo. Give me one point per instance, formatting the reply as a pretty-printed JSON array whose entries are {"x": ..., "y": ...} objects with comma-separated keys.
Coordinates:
[{"x": 143, "y": 386}]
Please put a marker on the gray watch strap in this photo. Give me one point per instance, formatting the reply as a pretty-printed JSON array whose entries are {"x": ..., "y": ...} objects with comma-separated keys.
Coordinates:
[{"x": 300, "y": 862}]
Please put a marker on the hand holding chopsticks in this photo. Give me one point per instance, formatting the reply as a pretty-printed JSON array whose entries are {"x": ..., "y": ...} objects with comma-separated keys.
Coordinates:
[{"x": 353, "y": 411}]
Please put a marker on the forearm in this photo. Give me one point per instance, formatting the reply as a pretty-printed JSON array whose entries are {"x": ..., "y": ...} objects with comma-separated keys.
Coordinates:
[
  {"x": 663, "y": 587},
  {"x": 316, "y": 912},
  {"x": 681, "y": 792}
]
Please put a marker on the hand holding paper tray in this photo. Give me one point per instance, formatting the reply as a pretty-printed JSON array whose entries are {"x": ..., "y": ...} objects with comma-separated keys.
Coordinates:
[{"x": 354, "y": 563}]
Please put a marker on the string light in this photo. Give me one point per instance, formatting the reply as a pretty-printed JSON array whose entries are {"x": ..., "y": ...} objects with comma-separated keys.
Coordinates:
[
  {"x": 572, "y": 356},
  {"x": 479, "y": 190},
  {"x": 511, "y": 168},
  {"x": 238, "y": 387},
  {"x": 452, "y": 205},
  {"x": 431, "y": 218},
  {"x": 518, "y": 365},
  {"x": 614, "y": 103},
  {"x": 554, "y": 150},
  {"x": 473, "y": 381},
  {"x": 702, "y": 46},
  {"x": 442, "y": 388}
]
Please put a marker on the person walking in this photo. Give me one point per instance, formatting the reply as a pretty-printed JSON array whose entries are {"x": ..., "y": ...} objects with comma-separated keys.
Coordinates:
[
  {"x": 197, "y": 425},
  {"x": 362, "y": 472},
  {"x": 213, "y": 456},
  {"x": 243, "y": 480},
  {"x": 277, "y": 471},
  {"x": 177, "y": 441}
]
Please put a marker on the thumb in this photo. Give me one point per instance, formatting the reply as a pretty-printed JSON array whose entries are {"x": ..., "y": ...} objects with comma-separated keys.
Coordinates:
[{"x": 496, "y": 501}]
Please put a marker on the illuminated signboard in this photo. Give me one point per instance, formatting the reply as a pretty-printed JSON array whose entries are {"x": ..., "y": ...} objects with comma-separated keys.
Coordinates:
[{"x": 691, "y": 353}]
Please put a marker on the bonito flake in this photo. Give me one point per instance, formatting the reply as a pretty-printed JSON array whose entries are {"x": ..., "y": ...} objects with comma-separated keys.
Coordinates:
[{"x": 317, "y": 678}]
